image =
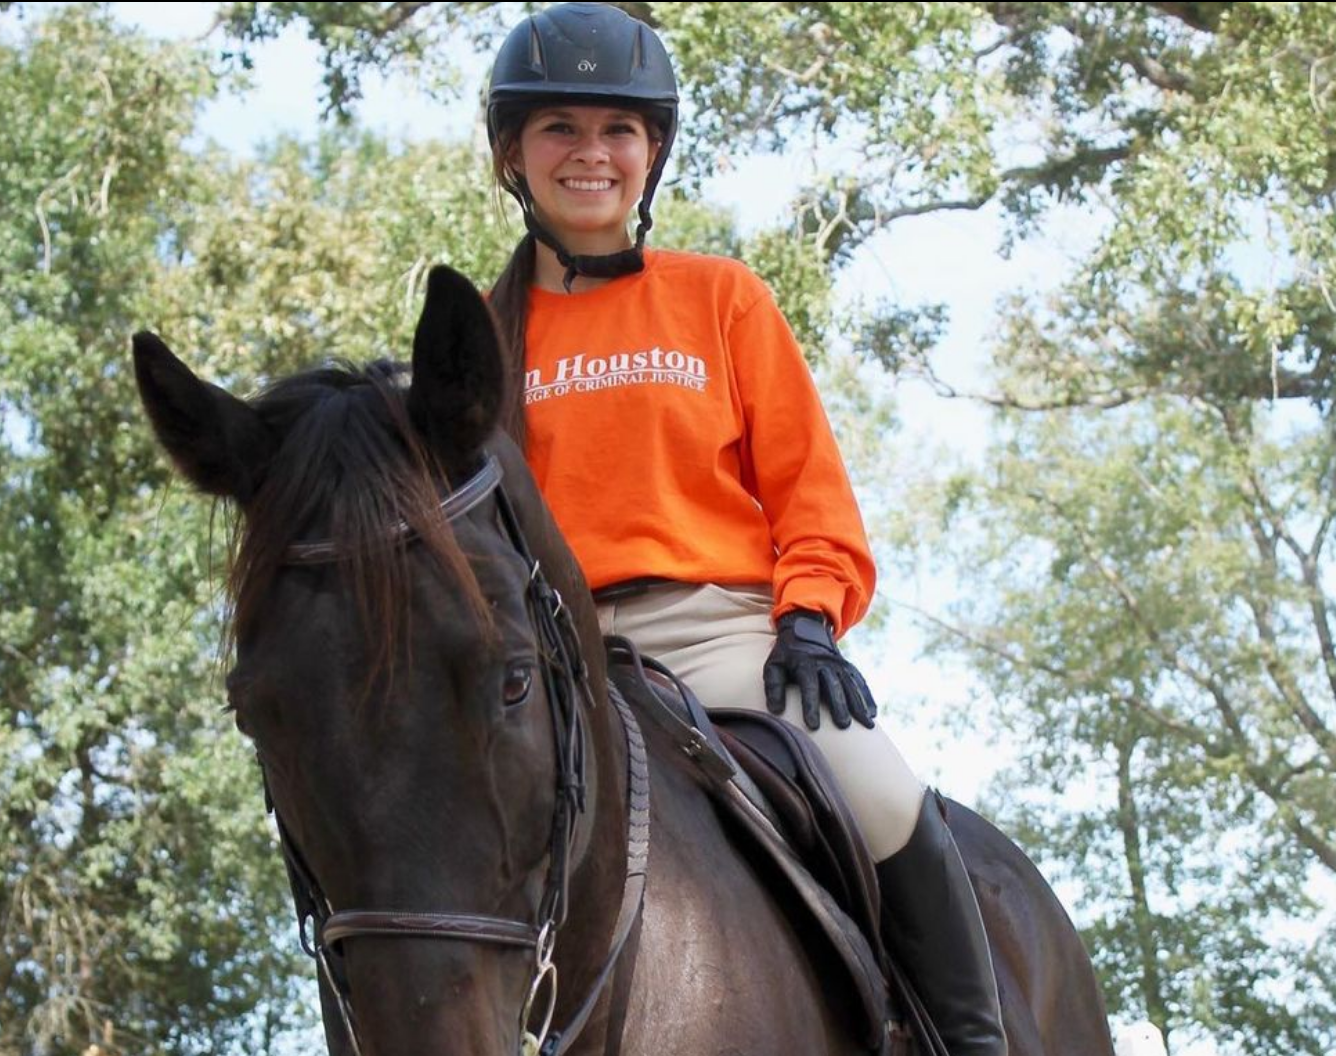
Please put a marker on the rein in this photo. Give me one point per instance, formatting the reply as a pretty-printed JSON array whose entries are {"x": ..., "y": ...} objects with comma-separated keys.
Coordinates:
[{"x": 566, "y": 682}]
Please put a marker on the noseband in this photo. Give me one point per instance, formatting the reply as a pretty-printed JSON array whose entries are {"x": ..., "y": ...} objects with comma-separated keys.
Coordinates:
[{"x": 565, "y": 680}]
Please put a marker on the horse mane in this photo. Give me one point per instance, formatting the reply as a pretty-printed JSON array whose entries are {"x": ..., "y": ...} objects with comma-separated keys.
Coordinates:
[{"x": 350, "y": 466}]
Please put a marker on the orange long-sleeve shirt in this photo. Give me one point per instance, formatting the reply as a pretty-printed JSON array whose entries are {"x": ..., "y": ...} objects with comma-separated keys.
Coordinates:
[{"x": 675, "y": 431}]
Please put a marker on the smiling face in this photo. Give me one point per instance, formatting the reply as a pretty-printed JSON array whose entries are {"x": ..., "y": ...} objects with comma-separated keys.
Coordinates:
[{"x": 586, "y": 168}]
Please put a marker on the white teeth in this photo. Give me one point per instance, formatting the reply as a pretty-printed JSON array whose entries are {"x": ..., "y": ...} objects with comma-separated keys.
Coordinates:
[{"x": 588, "y": 185}]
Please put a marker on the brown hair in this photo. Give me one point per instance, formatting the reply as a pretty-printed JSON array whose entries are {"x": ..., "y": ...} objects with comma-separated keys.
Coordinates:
[
  {"x": 509, "y": 298},
  {"x": 509, "y": 301}
]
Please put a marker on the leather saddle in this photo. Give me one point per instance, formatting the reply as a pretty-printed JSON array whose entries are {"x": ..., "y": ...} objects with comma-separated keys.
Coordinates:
[{"x": 784, "y": 808}]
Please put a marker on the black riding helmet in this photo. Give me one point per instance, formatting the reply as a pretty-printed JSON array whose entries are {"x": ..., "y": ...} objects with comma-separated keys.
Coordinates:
[{"x": 597, "y": 55}]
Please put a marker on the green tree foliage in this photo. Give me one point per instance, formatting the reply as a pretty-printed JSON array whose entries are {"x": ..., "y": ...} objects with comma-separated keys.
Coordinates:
[
  {"x": 1146, "y": 604},
  {"x": 354, "y": 37},
  {"x": 113, "y": 776},
  {"x": 140, "y": 891},
  {"x": 1186, "y": 128}
]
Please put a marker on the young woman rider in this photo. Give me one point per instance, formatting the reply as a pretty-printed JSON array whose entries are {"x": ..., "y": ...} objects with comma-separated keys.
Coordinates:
[{"x": 674, "y": 428}]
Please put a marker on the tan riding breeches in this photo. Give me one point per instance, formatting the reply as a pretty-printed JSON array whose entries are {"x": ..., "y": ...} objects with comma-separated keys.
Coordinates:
[{"x": 717, "y": 639}]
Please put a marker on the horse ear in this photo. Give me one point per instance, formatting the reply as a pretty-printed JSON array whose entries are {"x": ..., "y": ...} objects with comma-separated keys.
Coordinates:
[
  {"x": 458, "y": 377},
  {"x": 215, "y": 439}
]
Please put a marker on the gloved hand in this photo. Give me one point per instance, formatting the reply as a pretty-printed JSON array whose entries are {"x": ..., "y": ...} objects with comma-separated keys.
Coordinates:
[{"x": 805, "y": 654}]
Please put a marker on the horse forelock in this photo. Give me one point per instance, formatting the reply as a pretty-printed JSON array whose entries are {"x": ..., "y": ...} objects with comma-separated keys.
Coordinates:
[{"x": 349, "y": 467}]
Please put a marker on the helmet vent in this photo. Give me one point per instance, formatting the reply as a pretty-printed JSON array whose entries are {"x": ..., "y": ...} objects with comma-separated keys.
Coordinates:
[{"x": 535, "y": 48}]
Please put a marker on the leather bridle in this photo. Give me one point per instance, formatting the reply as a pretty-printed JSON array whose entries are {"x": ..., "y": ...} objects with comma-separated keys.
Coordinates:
[{"x": 565, "y": 678}]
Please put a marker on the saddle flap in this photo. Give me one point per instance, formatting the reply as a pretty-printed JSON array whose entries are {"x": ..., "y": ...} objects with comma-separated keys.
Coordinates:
[
  {"x": 868, "y": 997},
  {"x": 801, "y": 789}
]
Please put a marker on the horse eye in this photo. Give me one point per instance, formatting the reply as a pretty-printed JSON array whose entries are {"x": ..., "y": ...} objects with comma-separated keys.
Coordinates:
[{"x": 518, "y": 683}]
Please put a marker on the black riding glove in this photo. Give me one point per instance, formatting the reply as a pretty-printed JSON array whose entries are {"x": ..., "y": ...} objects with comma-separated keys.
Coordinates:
[{"x": 805, "y": 655}]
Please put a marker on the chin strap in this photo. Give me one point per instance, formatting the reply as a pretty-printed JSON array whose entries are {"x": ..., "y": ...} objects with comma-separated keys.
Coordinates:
[{"x": 593, "y": 266}]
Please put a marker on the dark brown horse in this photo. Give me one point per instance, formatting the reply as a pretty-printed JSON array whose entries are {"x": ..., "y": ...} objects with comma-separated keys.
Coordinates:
[{"x": 462, "y": 811}]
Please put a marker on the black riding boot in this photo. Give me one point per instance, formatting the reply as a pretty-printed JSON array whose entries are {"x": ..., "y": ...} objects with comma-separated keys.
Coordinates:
[{"x": 931, "y": 926}]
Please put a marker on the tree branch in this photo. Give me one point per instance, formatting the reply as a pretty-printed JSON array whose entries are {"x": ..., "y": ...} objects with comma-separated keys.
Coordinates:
[
  {"x": 1148, "y": 68},
  {"x": 1204, "y": 17},
  {"x": 1291, "y": 387},
  {"x": 1052, "y": 174},
  {"x": 1244, "y": 750},
  {"x": 1280, "y": 675},
  {"x": 399, "y": 14},
  {"x": 1076, "y": 680},
  {"x": 1322, "y": 848},
  {"x": 1143, "y": 920},
  {"x": 1100, "y": 401},
  {"x": 1308, "y": 565}
]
